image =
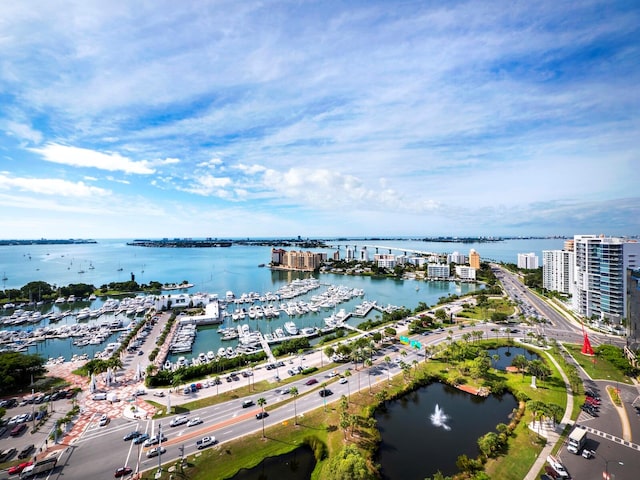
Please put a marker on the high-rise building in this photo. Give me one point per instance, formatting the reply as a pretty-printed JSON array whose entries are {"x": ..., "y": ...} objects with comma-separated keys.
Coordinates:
[
  {"x": 528, "y": 261},
  {"x": 364, "y": 254},
  {"x": 474, "y": 259},
  {"x": 457, "y": 257},
  {"x": 633, "y": 309},
  {"x": 557, "y": 270},
  {"x": 600, "y": 279},
  {"x": 438, "y": 270},
  {"x": 465, "y": 273}
]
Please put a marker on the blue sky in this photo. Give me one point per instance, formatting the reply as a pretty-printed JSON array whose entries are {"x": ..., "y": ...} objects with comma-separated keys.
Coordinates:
[{"x": 126, "y": 119}]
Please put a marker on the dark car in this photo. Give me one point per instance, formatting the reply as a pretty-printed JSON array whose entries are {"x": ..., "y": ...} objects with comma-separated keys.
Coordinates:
[
  {"x": 122, "y": 471},
  {"x": 325, "y": 392},
  {"x": 131, "y": 435},
  {"x": 26, "y": 451},
  {"x": 311, "y": 381},
  {"x": 261, "y": 415},
  {"x": 141, "y": 438}
]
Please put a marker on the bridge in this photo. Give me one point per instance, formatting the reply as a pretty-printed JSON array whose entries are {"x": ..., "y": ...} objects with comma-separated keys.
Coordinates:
[{"x": 377, "y": 249}]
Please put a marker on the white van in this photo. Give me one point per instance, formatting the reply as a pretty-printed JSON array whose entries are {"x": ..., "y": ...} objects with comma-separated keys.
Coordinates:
[{"x": 99, "y": 396}]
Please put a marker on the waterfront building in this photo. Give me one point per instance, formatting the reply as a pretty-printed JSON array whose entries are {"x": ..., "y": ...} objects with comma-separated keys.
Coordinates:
[
  {"x": 633, "y": 309},
  {"x": 528, "y": 261},
  {"x": 464, "y": 272},
  {"x": 474, "y": 259},
  {"x": 351, "y": 255},
  {"x": 305, "y": 261},
  {"x": 557, "y": 270},
  {"x": 385, "y": 260},
  {"x": 438, "y": 270},
  {"x": 364, "y": 254},
  {"x": 600, "y": 279},
  {"x": 336, "y": 256},
  {"x": 277, "y": 255},
  {"x": 457, "y": 257}
]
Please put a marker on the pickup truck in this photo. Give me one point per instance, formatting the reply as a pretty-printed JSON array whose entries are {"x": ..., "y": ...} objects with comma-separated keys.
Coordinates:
[{"x": 205, "y": 442}]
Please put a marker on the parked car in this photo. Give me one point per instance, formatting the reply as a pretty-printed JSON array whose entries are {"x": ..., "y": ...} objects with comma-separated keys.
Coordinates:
[
  {"x": 154, "y": 452},
  {"x": 26, "y": 451},
  {"x": 205, "y": 442},
  {"x": 122, "y": 471},
  {"x": 158, "y": 394}
]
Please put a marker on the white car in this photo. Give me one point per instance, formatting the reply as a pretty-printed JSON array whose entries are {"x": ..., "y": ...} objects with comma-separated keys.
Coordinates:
[
  {"x": 343, "y": 380},
  {"x": 194, "y": 421},
  {"x": 180, "y": 420},
  {"x": 154, "y": 452},
  {"x": 104, "y": 419}
]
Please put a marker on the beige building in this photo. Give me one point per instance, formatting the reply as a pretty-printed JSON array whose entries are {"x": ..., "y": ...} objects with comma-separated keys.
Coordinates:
[{"x": 474, "y": 259}]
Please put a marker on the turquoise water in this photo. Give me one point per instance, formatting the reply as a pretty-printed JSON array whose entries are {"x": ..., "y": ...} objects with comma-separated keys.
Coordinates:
[{"x": 217, "y": 270}]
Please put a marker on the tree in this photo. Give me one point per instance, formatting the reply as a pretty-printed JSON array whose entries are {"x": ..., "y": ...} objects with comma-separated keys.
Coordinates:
[
  {"x": 368, "y": 363},
  {"x": 261, "y": 403},
  {"x": 387, "y": 360},
  {"x": 347, "y": 374},
  {"x": 348, "y": 464},
  {"x": 329, "y": 351},
  {"x": 521, "y": 363},
  {"x": 294, "y": 393}
]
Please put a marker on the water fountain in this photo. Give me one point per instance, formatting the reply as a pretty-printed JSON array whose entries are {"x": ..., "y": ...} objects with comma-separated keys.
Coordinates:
[{"x": 439, "y": 418}]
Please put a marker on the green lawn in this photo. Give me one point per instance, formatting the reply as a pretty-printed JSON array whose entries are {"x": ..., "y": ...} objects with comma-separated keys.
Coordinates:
[
  {"x": 596, "y": 368},
  {"x": 225, "y": 460}
]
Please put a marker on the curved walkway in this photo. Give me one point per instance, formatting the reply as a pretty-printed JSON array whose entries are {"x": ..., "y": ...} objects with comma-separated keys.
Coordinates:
[{"x": 552, "y": 435}]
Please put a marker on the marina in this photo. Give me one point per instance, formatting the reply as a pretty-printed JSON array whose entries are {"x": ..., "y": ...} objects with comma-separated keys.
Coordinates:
[{"x": 265, "y": 299}]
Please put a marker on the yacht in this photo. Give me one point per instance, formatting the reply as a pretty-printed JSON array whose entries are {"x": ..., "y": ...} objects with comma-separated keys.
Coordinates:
[{"x": 291, "y": 328}]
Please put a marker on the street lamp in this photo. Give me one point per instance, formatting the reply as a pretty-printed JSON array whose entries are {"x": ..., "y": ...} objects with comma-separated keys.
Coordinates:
[{"x": 605, "y": 474}]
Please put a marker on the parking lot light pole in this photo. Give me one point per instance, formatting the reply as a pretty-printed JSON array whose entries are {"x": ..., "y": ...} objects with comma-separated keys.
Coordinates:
[{"x": 606, "y": 475}]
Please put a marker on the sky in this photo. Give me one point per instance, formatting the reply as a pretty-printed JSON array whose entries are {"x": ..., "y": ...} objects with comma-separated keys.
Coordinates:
[{"x": 223, "y": 119}]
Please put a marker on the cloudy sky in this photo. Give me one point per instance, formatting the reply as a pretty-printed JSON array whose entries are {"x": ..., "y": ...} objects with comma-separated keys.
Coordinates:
[{"x": 130, "y": 119}]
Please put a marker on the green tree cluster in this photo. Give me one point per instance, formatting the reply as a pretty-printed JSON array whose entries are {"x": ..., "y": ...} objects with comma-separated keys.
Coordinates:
[{"x": 17, "y": 370}]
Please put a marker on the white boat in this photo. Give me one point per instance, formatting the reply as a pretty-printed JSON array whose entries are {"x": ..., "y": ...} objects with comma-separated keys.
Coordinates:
[
  {"x": 221, "y": 352},
  {"x": 291, "y": 328}
]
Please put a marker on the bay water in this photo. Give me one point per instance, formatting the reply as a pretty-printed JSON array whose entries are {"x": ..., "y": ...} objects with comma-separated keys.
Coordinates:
[{"x": 218, "y": 270}]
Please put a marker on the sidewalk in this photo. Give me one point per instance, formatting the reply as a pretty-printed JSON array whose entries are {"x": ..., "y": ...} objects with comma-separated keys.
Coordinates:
[{"x": 552, "y": 436}]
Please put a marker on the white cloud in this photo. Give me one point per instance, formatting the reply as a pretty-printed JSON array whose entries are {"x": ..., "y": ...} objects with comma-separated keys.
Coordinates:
[
  {"x": 208, "y": 185},
  {"x": 51, "y": 186},
  {"x": 23, "y": 131},
  {"x": 83, "y": 157},
  {"x": 250, "y": 169}
]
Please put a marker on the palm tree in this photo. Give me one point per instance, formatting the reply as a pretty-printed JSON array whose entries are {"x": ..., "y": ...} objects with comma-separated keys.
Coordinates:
[
  {"x": 294, "y": 393},
  {"x": 324, "y": 397},
  {"x": 261, "y": 403},
  {"x": 387, "y": 360},
  {"x": 347, "y": 374},
  {"x": 368, "y": 363}
]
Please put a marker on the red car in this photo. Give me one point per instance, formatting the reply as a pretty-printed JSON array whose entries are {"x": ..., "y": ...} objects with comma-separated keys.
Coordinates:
[
  {"x": 18, "y": 468},
  {"x": 311, "y": 381},
  {"x": 122, "y": 471}
]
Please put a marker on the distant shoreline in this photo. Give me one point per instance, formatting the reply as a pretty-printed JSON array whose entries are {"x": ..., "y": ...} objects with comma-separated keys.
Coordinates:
[{"x": 45, "y": 241}]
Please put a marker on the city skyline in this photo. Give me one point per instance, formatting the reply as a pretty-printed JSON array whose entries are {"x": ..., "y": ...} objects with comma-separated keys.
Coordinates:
[{"x": 319, "y": 119}]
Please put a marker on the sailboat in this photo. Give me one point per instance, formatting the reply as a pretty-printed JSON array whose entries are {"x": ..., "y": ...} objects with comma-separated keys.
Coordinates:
[{"x": 4, "y": 276}]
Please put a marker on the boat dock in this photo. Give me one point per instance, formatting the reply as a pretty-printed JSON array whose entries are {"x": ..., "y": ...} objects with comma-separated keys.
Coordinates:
[{"x": 266, "y": 348}]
